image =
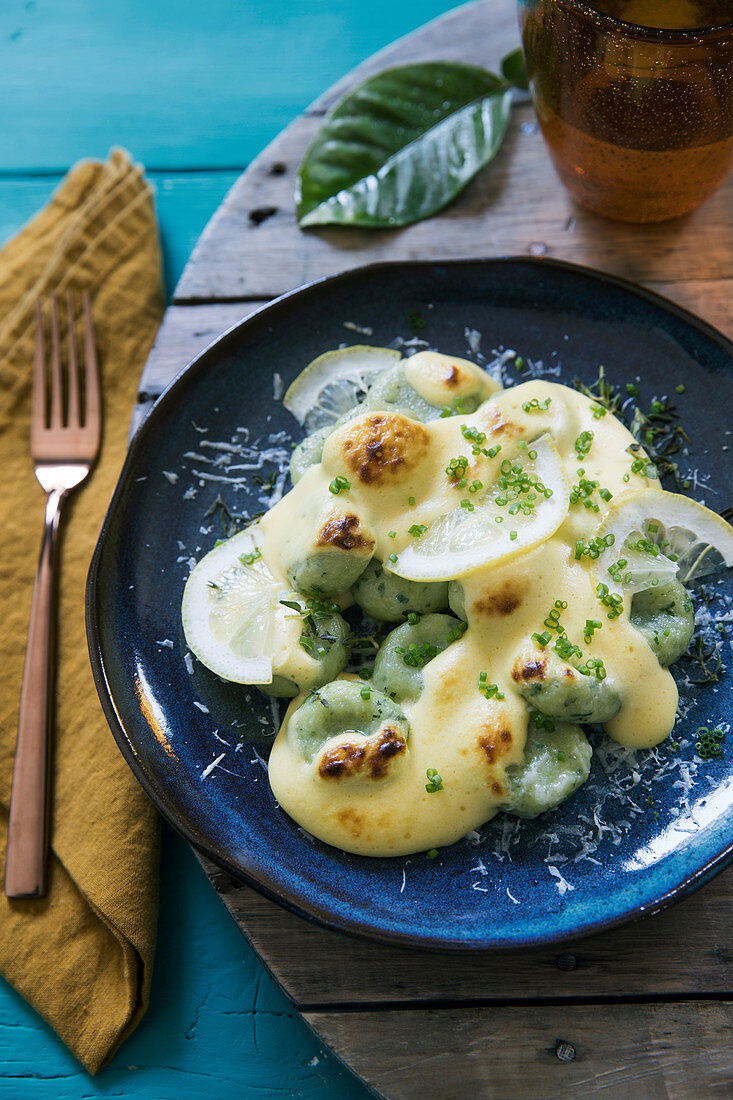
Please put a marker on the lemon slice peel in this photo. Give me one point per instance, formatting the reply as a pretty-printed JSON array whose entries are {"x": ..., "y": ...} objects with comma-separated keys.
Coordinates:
[
  {"x": 333, "y": 383},
  {"x": 462, "y": 540},
  {"x": 688, "y": 540}
]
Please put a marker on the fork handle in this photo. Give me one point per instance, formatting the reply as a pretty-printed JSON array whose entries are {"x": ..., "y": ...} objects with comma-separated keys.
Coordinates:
[{"x": 25, "y": 865}]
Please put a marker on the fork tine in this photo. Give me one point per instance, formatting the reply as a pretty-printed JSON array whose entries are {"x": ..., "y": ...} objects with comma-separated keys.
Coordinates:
[
  {"x": 38, "y": 405},
  {"x": 73, "y": 391},
  {"x": 56, "y": 417},
  {"x": 93, "y": 406}
]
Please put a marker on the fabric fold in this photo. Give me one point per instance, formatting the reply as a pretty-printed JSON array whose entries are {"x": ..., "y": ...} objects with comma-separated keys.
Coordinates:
[{"x": 82, "y": 956}]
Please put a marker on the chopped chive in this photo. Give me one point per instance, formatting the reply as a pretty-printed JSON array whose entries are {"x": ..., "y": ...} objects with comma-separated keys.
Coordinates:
[
  {"x": 536, "y": 406},
  {"x": 338, "y": 484},
  {"x": 435, "y": 782}
]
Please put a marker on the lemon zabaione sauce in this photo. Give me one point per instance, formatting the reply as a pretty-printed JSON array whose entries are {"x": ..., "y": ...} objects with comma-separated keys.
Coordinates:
[{"x": 395, "y": 469}]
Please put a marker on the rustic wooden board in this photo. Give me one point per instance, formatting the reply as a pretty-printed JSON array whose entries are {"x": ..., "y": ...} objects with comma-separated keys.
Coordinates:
[
  {"x": 654, "y": 1019},
  {"x": 656, "y": 1051}
]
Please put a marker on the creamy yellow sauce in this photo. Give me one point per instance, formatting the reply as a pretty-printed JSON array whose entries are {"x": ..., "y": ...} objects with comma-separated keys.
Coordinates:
[{"x": 466, "y": 737}]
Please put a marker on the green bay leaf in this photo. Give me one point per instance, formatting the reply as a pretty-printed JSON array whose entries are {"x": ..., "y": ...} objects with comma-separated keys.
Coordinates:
[{"x": 402, "y": 145}]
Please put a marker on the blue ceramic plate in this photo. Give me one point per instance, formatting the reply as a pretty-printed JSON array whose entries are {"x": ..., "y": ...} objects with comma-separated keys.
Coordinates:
[{"x": 646, "y": 827}]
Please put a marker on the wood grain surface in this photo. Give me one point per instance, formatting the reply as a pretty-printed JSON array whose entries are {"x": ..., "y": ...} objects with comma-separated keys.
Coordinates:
[
  {"x": 642, "y": 1011},
  {"x": 675, "y": 1051}
]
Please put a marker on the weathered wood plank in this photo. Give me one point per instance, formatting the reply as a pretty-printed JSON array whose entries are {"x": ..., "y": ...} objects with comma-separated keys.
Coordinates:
[
  {"x": 661, "y": 1052},
  {"x": 185, "y": 331},
  {"x": 685, "y": 950}
]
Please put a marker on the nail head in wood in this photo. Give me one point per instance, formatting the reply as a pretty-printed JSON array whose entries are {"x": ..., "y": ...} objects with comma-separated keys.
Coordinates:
[
  {"x": 564, "y": 1052},
  {"x": 566, "y": 962}
]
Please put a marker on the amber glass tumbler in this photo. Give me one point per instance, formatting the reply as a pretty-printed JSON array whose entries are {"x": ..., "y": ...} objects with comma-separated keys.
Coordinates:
[{"x": 638, "y": 120}]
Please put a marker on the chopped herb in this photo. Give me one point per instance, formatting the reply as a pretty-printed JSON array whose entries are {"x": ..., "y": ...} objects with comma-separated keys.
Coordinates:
[
  {"x": 250, "y": 559},
  {"x": 594, "y": 666},
  {"x": 493, "y": 451},
  {"x": 513, "y": 535},
  {"x": 467, "y": 504},
  {"x": 680, "y": 388},
  {"x": 632, "y": 389},
  {"x": 457, "y": 467},
  {"x": 591, "y": 625},
  {"x": 567, "y": 650},
  {"x": 291, "y": 604},
  {"x": 230, "y": 523},
  {"x": 416, "y": 656},
  {"x": 415, "y": 320},
  {"x": 434, "y": 783},
  {"x": 475, "y": 486},
  {"x": 391, "y": 534},
  {"x": 541, "y": 721},
  {"x": 552, "y": 622},
  {"x": 612, "y": 600},
  {"x": 457, "y": 632},
  {"x": 709, "y": 744},
  {"x": 583, "y": 444},
  {"x": 413, "y": 618},
  {"x": 458, "y": 408},
  {"x": 519, "y": 363},
  {"x": 583, "y": 492},
  {"x": 536, "y": 406},
  {"x": 411, "y": 501},
  {"x": 473, "y": 434},
  {"x": 417, "y": 529},
  {"x": 598, "y": 411},
  {"x": 366, "y": 692},
  {"x": 433, "y": 853},
  {"x": 490, "y": 691},
  {"x": 595, "y": 547},
  {"x": 338, "y": 484},
  {"x": 392, "y": 558},
  {"x": 366, "y": 673},
  {"x": 601, "y": 391},
  {"x": 542, "y": 639}
]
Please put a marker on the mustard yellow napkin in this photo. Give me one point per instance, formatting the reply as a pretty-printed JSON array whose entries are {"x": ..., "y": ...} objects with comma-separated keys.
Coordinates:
[{"x": 82, "y": 956}]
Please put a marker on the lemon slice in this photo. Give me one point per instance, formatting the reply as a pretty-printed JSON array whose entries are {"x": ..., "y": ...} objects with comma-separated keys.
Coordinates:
[
  {"x": 231, "y": 610},
  {"x": 462, "y": 540},
  {"x": 690, "y": 540},
  {"x": 333, "y": 383}
]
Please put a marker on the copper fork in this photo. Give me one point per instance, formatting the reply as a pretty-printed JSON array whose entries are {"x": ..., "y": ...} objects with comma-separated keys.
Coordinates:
[{"x": 64, "y": 446}]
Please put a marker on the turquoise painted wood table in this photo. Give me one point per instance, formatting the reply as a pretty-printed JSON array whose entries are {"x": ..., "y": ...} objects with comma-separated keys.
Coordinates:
[{"x": 194, "y": 91}]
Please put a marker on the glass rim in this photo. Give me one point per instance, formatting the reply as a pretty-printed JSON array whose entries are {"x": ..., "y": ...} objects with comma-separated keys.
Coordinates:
[{"x": 639, "y": 30}]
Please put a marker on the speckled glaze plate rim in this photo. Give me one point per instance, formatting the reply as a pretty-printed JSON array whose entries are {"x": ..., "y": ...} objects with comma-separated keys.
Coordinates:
[{"x": 249, "y": 872}]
